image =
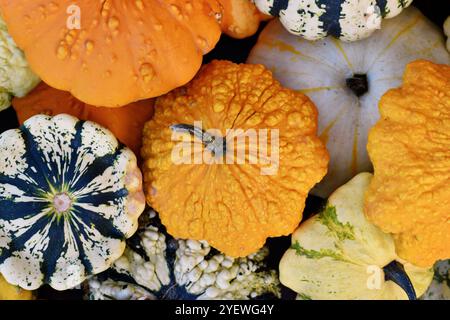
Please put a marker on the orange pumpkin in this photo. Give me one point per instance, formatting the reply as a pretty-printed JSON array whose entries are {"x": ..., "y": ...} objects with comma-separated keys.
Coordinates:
[
  {"x": 112, "y": 52},
  {"x": 222, "y": 190},
  {"x": 125, "y": 123}
]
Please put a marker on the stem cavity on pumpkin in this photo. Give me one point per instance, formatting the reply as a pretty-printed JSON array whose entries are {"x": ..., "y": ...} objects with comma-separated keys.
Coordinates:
[
  {"x": 395, "y": 272},
  {"x": 358, "y": 84},
  {"x": 214, "y": 143}
]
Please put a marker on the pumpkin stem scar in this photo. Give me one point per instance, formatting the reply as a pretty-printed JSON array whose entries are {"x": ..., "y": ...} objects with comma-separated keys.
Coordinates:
[
  {"x": 358, "y": 84},
  {"x": 216, "y": 144},
  {"x": 395, "y": 272}
]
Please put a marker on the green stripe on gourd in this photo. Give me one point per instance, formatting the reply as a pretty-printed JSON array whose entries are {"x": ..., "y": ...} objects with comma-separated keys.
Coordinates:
[
  {"x": 348, "y": 20},
  {"x": 342, "y": 231},
  {"x": 317, "y": 254},
  {"x": 70, "y": 194}
]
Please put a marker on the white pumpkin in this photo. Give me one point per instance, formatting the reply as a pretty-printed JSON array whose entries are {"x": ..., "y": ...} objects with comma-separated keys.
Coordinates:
[
  {"x": 348, "y": 20},
  {"x": 346, "y": 80}
]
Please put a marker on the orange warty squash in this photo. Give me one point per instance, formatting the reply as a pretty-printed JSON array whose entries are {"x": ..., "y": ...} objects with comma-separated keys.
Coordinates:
[
  {"x": 409, "y": 195},
  {"x": 206, "y": 191},
  {"x": 110, "y": 53},
  {"x": 126, "y": 123}
]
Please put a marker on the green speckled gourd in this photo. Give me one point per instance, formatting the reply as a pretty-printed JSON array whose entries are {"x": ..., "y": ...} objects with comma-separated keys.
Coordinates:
[
  {"x": 339, "y": 254},
  {"x": 348, "y": 20},
  {"x": 157, "y": 266},
  {"x": 70, "y": 194}
]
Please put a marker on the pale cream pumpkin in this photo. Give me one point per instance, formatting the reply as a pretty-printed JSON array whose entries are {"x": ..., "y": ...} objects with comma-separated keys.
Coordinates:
[{"x": 346, "y": 80}]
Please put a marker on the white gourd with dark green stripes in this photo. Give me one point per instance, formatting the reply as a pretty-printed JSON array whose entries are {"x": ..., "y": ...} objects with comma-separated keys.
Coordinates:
[
  {"x": 70, "y": 194},
  {"x": 348, "y": 20}
]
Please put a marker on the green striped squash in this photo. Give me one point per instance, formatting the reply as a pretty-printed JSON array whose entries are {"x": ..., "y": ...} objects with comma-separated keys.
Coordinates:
[{"x": 70, "y": 195}]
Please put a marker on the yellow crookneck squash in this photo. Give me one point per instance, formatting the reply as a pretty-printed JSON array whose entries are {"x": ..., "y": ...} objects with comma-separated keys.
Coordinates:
[
  {"x": 126, "y": 122},
  {"x": 339, "y": 254},
  {"x": 114, "y": 52},
  {"x": 410, "y": 150},
  {"x": 10, "y": 292},
  {"x": 205, "y": 184}
]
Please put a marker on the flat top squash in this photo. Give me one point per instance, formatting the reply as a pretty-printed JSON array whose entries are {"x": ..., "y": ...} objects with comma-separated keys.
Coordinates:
[
  {"x": 409, "y": 195},
  {"x": 205, "y": 184}
]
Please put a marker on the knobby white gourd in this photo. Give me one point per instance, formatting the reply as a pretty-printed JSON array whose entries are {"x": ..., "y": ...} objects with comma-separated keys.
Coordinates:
[{"x": 346, "y": 80}]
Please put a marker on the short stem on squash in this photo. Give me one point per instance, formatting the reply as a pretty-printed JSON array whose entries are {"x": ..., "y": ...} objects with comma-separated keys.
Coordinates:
[
  {"x": 395, "y": 272},
  {"x": 358, "y": 84},
  {"x": 216, "y": 144}
]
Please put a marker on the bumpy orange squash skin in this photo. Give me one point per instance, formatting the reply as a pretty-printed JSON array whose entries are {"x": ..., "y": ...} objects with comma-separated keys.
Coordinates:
[
  {"x": 126, "y": 123},
  {"x": 410, "y": 149},
  {"x": 233, "y": 206}
]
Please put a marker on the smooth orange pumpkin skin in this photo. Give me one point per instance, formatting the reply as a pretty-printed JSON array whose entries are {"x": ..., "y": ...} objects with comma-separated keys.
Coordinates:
[
  {"x": 240, "y": 18},
  {"x": 125, "y": 50},
  {"x": 126, "y": 123},
  {"x": 233, "y": 206},
  {"x": 409, "y": 195}
]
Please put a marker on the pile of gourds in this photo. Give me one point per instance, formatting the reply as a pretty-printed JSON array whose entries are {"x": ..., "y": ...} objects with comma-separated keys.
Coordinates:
[{"x": 117, "y": 113}]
